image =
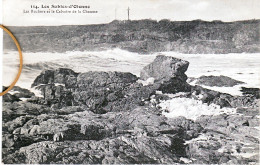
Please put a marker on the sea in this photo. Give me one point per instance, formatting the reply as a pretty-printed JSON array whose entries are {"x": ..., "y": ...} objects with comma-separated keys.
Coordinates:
[{"x": 243, "y": 67}]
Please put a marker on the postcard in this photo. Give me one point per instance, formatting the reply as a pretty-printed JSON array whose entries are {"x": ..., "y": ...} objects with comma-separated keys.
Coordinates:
[{"x": 131, "y": 82}]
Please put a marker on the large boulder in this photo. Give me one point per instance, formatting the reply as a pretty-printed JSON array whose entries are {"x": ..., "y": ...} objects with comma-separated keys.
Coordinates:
[
  {"x": 168, "y": 74},
  {"x": 165, "y": 68},
  {"x": 60, "y": 76},
  {"x": 99, "y": 91}
]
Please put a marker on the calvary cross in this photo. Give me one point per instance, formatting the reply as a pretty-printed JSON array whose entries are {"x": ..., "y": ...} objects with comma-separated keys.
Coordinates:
[{"x": 128, "y": 11}]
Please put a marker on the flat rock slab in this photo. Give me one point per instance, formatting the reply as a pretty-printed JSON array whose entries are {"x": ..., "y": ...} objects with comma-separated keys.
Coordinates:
[{"x": 218, "y": 81}]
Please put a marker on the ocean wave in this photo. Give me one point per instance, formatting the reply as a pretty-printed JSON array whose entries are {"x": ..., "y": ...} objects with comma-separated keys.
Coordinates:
[
  {"x": 43, "y": 66},
  {"x": 247, "y": 65},
  {"x": 191, "y": 109}
]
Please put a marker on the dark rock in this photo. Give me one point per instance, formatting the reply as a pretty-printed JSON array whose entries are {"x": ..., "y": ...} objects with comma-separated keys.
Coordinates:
[
  {"x": 131, "y": 97},
  {"x": 231, "y": 125},
  {"x": 18, "y": 122},
  {"x": 137, "y": 136},
  {"x": 114, "y": 137},
  {"x": 14, "y": 142},
  {"x": 10, "y": 98},
  {"x": 169, "y": 74},
  {"x": 13, "y": 110},
  {"x": 56, "y": 94},
  {"x": 46, "y": 77},
  {"x": 141, "y": 135},
  {"x": 70, "y": 110},
  {"x": 221, "y": 140},
  {"x": 222, "y": 99},
  {"x": 227, "y": 100},
  {"x": 119, "y": 150},
  {"x": 99, "y": 91},
  {"x": 190, "y": 128},
  {"x": 174, "y": 85},
  {"x": 241, "y": 101},
  {"x": 206, "y": 152},
  {"x": 8, "y": 140},
  {"x": 219, "y": 81},
  {"x": 102, "y": 92},
  {"x": 61, "y": 75},
  {"x": 165, "y": 68},
  {"x": 54, "y": 76},
  {"x": 36, "y": 100},
  {"x": 102, "y": 79},
  {"x": 203, "y": 94},
  {"x": 251, "y": 91},
  {"x": 71, "y": 81},
  {"x": 22, "y": 93}
]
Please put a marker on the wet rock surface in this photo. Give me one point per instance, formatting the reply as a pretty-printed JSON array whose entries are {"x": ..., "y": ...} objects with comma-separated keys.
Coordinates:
[
  {"x": 217, "y": 81},
  {"x": 16, "y": 94},
  {"x": 10, "y": 98},
  {"x": 251, "y": 91},
  {"x": 222, "y": 99},
  {"x": 109, "y": 117}
]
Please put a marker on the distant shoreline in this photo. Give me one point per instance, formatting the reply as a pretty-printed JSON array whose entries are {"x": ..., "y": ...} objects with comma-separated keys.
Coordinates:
[{"x": 142, "y": 36}]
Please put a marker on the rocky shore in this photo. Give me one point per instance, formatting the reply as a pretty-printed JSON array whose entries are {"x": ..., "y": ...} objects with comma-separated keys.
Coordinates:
[{"x": 116, "y": 117}]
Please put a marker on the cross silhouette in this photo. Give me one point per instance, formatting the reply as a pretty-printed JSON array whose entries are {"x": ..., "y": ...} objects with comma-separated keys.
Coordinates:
[{"x": 128, "y": 12}]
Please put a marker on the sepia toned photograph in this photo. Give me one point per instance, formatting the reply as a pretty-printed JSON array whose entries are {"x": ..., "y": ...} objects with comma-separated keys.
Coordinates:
[{"x": 131, "y": 82}]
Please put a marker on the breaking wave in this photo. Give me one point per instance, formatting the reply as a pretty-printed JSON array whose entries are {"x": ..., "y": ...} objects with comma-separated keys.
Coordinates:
[{"x": 242, "y": 67}]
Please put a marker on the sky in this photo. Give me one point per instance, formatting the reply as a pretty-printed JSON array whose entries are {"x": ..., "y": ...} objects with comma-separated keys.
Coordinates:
[{"x": 108, "y": 10}]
